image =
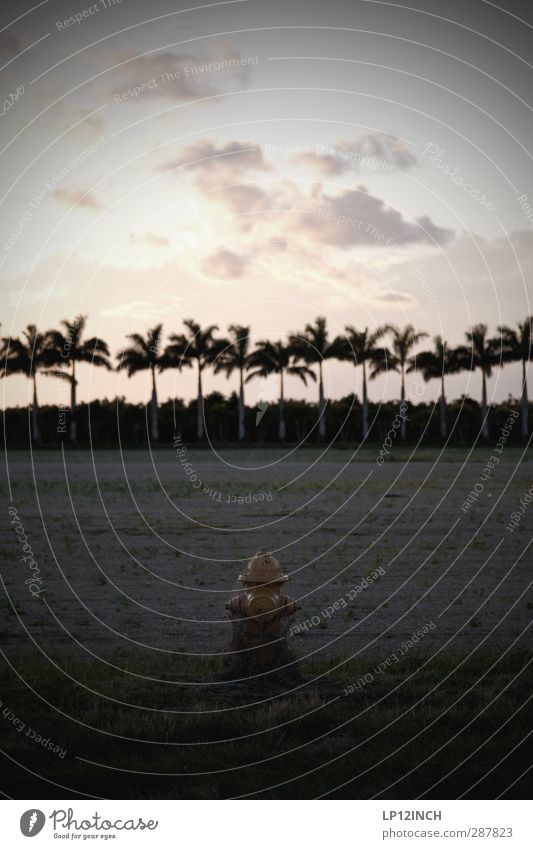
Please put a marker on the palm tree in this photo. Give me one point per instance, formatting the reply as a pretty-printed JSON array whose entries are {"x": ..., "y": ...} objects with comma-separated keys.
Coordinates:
[
  {"x": 236, "y": 356},
  {"x": 360, "y": 347},
  {"x": 197, "y": 345},
  {"x": 70, "y": 348},
  {"x": 517, "y": 346},
  {"x": 399, "y": 359},
  {"x": 277, "y": 358},
  {"x": 28, "y": 356},
  {"x": 436, "y": 364},
  {"x": 480, "y": 353},
  {"x": 144, "y": 354},
  {"x": 313, "y": 347}
]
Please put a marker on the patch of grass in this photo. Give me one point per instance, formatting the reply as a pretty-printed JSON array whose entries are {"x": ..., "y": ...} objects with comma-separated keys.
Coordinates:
[{"x": 408, "y": 732}]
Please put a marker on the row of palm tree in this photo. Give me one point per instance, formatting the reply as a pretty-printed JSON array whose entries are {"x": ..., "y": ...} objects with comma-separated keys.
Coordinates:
[{"x": 57, "y": 352}]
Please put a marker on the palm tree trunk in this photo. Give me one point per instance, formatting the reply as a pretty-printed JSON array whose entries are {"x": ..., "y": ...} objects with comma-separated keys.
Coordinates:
[
  {"x": 35, "y": 431},
  {"x": 365, "y": 403},
  {"x": 525, "y": 403},
  {"x": 200, "y": 406},
  {"x": 321, "y": 405},
  {"x": 242, "y": 429},
  {"x": 442, "y": 402},
  {"x": 484, "y": 409},
  {"x": 73, "y": 428},
  {"x": 281, "y": 429},
  {"x": 403, "y": 410},
  {"x": 154, "y": 415}
]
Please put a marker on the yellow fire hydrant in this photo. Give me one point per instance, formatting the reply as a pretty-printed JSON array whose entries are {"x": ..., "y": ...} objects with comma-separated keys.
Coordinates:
[{"x": 259, "y": 613}]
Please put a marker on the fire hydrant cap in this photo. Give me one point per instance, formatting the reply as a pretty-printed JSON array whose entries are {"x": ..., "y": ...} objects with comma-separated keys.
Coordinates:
[{"x": 264, "y": 569}]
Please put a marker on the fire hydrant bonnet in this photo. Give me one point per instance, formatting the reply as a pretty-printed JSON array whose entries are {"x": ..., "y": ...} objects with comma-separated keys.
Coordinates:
[{"x": 263, "y": 569}]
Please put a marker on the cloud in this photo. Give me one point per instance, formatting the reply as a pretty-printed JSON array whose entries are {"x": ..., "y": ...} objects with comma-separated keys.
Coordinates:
[
  {"x": 220, "y": 171},
  {"x": 392, "y": 296},
  {"x": 350, "y": 218},
  {"x": 326, "y": 164},
  {"x": 388, "y": 148},
  {"x": 183, "y": 76},
  {"x": 248, "y": 199},
  {"x": 148, "y": 239},
  {"x": 78, "y": 197},
  {"x": 137, "y": 309},
  {"x": 224, "y": 264},
  {"x": 223, "y": 161},
  {"x": 243, "y": 200},
  {"x": 91, "y": 125},
  {"x": 25, "y": 296},
  {"x": 355, "y": 217},
  {"x": 378, "y": 152},
  {"x": 11, "y": 44}
]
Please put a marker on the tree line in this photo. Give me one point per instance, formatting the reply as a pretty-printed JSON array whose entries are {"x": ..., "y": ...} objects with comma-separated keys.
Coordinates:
[{"x": 56, "y": 353}]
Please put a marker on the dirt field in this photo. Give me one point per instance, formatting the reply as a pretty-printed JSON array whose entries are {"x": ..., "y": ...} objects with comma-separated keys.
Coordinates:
[{"x": 132, "y": 554}]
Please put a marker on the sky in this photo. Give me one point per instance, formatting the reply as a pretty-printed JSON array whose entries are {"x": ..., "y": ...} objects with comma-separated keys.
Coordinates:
[{"x": 261, "y": 164}]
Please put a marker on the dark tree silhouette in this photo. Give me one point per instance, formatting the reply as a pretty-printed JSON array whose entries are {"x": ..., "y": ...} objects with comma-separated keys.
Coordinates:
[
  {"x": 198, "y": 345},
  {"x": 143, "y": 354},
  {"x": 435, "y": 365},
  {"x": 28, "y": 356},
  {"x": 58, "y": 352},
  {"x": 480, "y": 353},
  {"x": 361, "y": 347},
  {"x": 235, "y": 357},
  {"x": 277, "y": 358},
  {"x": 399, "y": 359},
  {"x": 517, "y": 346},
  {"x": 312, "y": 346},
  {"x": 69, "y": 349}
]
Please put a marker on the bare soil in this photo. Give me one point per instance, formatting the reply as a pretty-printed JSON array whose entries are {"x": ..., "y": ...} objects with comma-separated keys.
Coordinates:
[{"x": 137, "y": 556}]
